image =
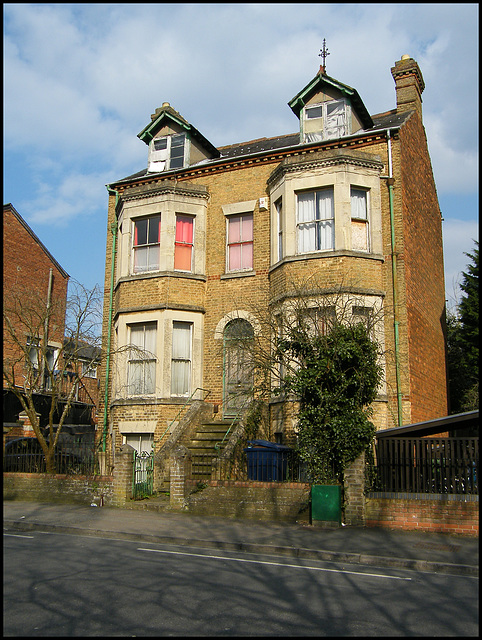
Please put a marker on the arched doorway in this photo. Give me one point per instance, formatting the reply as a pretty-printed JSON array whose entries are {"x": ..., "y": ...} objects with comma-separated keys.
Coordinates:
[{"x": 237, "y": 373}]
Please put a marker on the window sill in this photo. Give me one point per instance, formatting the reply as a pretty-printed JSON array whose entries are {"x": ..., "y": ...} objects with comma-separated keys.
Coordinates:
[
  {"x": 319, "y": 255},
  {"x": 161, "y": 274},
  {"x": 146, "y": 400},
  {"x": 237, "y": 274}
]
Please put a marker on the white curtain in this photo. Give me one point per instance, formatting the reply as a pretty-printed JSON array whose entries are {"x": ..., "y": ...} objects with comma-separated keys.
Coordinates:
[
  {"x": 306, "y": 222},
  {"x": 315, "y": 221},
  {"x": 359, "y": 204},
  {"x": 142, "y": 359},
  {"x": 335, "y": 119},
  {"x": 181, "y": 358},
  {"x": 325, "y": 215}
]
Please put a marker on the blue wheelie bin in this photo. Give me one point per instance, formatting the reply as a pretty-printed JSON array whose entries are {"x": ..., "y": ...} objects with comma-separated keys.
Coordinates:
[{"x": 267, "y": 461}]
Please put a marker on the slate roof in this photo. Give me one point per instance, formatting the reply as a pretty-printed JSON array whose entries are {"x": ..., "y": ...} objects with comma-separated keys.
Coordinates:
[{"x": 382, "y": 121}]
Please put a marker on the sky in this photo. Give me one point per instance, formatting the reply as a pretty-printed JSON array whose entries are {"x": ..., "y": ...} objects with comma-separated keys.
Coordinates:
[{"x": 81, "y": 81}]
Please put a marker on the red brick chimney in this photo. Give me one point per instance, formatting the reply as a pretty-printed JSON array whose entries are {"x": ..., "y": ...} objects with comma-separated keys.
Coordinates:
[{"x": 409, "y": 85}]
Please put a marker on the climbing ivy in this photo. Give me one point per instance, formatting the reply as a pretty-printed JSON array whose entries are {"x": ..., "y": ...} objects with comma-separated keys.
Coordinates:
[{"x": 336, "y": 380}]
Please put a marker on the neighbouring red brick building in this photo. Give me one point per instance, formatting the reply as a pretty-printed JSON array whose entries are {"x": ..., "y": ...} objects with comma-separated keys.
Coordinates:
[
  {"x": 32, "y": 279},
  {"x": 203, "y": 233}
]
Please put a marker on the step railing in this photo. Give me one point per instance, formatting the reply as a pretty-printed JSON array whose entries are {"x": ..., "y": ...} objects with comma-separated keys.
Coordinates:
[
  {"x": 218, "y": 445},
  {"x": 207, "y": 392}
]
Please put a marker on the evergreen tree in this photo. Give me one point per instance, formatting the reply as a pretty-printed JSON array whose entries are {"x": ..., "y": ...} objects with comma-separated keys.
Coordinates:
[{"x": 463, "y": 342}]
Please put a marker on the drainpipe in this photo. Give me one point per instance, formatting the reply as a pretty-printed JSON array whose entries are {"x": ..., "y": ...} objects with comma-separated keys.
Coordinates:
[
  {"x": 111, "y": 306},
  {"x": 396, "y": 322}
]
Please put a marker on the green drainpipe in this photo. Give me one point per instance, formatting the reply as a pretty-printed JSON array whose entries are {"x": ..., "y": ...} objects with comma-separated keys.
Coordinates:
[
  {"x": 396, "y": 322},
  {"x": 111, "y": 305}
]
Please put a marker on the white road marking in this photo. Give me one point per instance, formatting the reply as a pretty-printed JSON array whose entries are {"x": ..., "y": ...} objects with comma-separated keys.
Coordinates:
[
  {"x": 14, "y": 535},
  {"x": 276, "y": 564}
]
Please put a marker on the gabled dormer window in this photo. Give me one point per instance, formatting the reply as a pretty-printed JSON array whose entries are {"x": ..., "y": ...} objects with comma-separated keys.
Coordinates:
[
  {"x": 167, "y": 152},
  {"x": 325, "y": 120}
]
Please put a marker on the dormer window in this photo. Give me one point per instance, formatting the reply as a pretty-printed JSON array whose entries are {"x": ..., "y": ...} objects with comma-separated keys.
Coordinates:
[
  {"x": 325, "y": 120},
  {"x": 167, "y": 153}
]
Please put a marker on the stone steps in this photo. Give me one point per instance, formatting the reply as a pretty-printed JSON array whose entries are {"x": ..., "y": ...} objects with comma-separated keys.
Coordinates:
[{"x": 202, "y": 447}]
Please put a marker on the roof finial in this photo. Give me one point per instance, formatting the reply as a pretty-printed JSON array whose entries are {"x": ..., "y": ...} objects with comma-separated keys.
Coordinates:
[{"x": 323, "y": 53}]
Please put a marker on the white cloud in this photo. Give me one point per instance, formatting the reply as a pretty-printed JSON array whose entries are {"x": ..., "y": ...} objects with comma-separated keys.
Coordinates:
[
  {"x": 455, "y": 169},
  {"x": 81, "y": 80},
  {"x": 75, "y": 195},
  {"x": 458, "y": 237}
]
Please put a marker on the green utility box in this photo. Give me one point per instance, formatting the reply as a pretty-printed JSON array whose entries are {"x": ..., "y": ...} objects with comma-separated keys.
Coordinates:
[{"x": 326, "y": 503}]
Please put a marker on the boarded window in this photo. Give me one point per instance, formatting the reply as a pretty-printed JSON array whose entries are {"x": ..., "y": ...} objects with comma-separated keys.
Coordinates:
[{"x": 359, "y": 219}]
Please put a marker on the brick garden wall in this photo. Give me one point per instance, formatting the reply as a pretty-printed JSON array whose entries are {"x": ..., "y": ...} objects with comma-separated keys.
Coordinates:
[
  {"x": 59, "y": 488},
  {"x": 254, "y": 500},
  {"x": 426, "y": 512}
]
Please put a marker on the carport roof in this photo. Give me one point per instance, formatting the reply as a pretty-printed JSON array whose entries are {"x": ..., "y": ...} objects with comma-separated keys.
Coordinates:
[{"x": 431, "y": 427}]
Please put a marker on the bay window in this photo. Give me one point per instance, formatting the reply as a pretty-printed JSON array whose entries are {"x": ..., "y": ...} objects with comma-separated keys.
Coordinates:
[
  {"x": 146, "y": 243},
  {"x": 315, "y": 221},
  {"x": 141, "y": 372},
  {"x": 279, "y": 215},
  {"x": 184, "y": 243},
  {"x": 359, "y": 219},
  {"x": 181, "y": 358}
]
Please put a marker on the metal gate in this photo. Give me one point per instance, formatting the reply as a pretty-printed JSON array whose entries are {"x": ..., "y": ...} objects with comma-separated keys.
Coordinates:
[{"x": 143, "y": 477}]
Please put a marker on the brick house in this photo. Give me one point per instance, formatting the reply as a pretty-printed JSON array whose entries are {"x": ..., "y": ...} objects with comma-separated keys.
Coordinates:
[
  {"x": 201, "y": 234},
  {"x": 32, "y": 279}
]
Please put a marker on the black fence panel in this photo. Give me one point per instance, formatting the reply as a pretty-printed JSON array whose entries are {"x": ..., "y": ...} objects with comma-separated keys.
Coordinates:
[
  {"x": 73, "y": 455},
  {"x": 428, "y": 465}
]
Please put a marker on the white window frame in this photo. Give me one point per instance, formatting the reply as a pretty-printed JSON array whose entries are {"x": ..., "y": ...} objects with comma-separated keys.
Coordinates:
[
  {"x": 185, "y": 244},
  {"x": 141, "y": 442},
  {"x": 162, "y": 160},
  {"x": 325, "y": 130},
  {"x": 183, "y": 360},
  {"x": 149, "y": 246},
  {"x": 229, "y": 219},
  {"x": 89, "y": 369},
  {"x": 357, "y": 219},
  {"x": 317, "y": 223},
  {"x": 146, "y": 359},
  {"x": 279, "y": 221}
]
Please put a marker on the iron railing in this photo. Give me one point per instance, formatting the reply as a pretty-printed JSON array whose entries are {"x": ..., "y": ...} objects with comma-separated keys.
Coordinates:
[
  {"x": 428, "y": 465},
  {"x": 72, "y": 456},
  {"x": 183, "y": 406}
]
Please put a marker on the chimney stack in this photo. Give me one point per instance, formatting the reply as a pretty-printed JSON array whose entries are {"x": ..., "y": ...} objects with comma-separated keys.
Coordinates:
[{"x": 409, "y": 85}]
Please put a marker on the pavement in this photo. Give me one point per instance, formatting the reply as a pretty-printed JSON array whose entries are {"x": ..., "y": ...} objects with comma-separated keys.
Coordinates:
[{"x": 416, "y": 550}]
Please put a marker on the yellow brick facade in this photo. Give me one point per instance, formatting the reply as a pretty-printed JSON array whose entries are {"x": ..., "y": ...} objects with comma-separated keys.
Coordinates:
[{"x": 208, "y": 296}]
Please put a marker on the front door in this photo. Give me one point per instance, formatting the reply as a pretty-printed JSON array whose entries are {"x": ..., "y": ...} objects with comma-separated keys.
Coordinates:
[{"x": 238, "y": 373}]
